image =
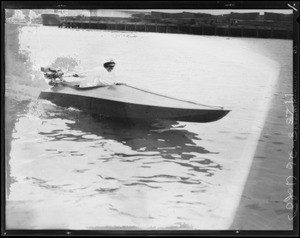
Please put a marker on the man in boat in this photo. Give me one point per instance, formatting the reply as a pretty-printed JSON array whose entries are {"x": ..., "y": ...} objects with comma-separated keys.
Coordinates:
[{"x": 99, "y": 77}]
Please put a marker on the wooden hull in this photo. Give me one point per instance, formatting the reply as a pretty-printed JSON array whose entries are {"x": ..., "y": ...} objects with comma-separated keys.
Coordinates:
[{"x": 126, "y": 102}]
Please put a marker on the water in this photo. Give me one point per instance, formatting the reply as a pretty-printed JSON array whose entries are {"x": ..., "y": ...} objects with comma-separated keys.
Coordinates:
[{"x": 70, "y": 170}]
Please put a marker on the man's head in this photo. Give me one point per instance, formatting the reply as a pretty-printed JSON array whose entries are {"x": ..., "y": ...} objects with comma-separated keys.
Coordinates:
[{"x": 109, "y": 66}]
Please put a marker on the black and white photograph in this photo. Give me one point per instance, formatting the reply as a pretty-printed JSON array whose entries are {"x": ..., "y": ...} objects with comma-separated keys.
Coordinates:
[{"x": 138, "y": 118}]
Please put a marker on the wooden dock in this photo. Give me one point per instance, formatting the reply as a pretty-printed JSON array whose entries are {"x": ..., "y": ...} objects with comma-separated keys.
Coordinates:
[{"x": 236, "y": 31}]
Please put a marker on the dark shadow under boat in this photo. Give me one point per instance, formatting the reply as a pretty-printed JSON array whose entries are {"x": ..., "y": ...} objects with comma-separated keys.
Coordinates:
[{"x": 165, "y": 138}]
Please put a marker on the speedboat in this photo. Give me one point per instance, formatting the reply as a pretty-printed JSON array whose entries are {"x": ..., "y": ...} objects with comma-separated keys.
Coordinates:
[{"x": 129, "y": 102}]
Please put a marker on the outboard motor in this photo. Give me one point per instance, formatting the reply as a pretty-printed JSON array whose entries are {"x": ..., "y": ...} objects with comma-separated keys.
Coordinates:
[{"x": 54, "y": 76}]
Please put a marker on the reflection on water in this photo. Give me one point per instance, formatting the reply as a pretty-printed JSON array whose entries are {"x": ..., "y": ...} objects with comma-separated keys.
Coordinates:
[
  {"x": 153, "y": 165},
  {"x": 162, "y": 139}
]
